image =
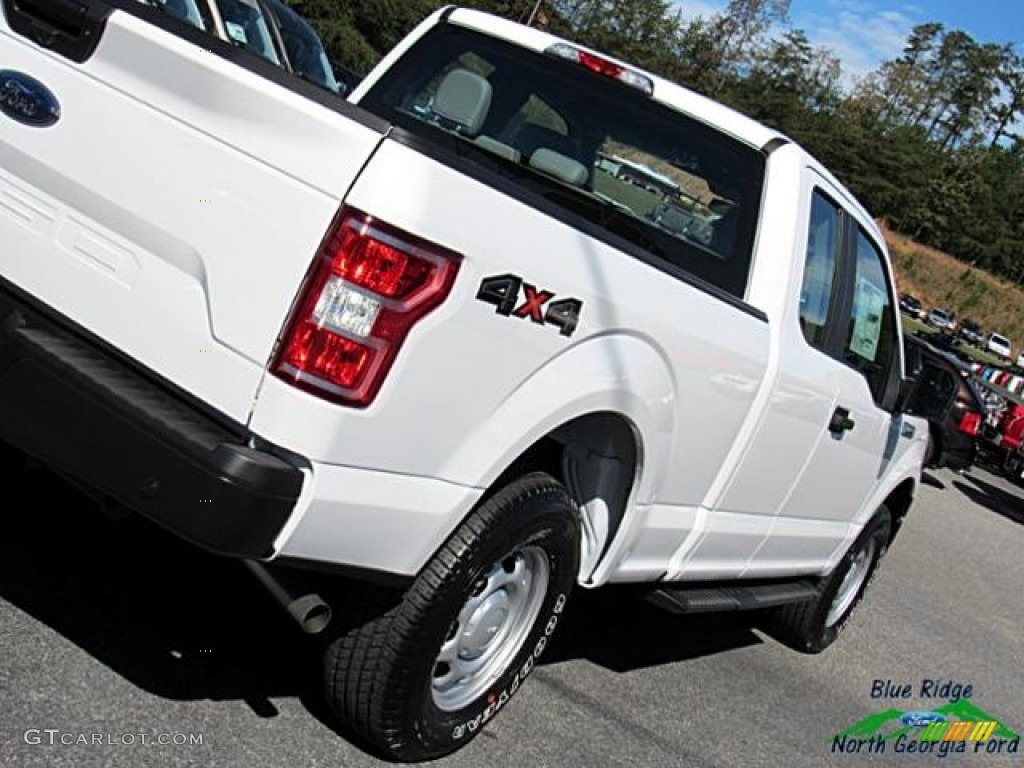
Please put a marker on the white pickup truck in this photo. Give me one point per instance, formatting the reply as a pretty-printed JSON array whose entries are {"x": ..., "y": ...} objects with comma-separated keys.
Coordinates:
[{"x": 512, "y": 318}]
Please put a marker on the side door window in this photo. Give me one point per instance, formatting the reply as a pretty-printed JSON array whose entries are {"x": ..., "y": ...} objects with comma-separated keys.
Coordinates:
[
  {"x": 819, "y": 269},
  {"x": 871, "y": 336}
]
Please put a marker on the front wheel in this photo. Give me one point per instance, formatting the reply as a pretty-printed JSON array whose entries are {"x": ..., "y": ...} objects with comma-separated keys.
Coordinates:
[
  {"x": 812, "y": 626},
  {"x": 1013, "y": 466},
  {"x": 422, "y": 679}
]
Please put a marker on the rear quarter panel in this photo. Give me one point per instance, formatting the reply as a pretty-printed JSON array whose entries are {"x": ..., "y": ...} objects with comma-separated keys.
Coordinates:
[{"x": 472, "y": 389}]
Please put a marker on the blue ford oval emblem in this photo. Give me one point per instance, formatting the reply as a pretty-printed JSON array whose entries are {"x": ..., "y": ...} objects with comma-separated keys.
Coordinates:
[
  {"x": 25, "y": 99},
  {"x": 918, "y": 719}
]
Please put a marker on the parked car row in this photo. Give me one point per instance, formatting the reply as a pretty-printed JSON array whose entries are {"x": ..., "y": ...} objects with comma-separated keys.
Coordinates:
[
  {"x": 974, "y": 411},
  {"x": 1002, "y": 433},
  {"x": 968, "y": 331},
  {"x": 268, "y": 28}
]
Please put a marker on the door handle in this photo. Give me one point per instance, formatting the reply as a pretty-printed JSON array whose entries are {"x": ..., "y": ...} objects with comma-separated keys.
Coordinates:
[{"x": 841, "y": 422}]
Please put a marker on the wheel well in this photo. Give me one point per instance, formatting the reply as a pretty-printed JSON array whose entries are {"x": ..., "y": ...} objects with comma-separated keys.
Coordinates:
[
  {"x": 898, "y": 503},
  {"x": 596, "y": 457}
]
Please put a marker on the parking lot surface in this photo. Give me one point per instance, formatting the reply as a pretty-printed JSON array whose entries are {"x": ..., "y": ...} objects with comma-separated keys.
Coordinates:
[{"x": 116, "y": 634}]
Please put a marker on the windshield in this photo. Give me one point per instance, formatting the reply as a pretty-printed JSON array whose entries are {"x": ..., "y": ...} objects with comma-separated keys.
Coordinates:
[
  {"x": 304, "y": 50},
  {"x": 247, "y": 26},
  {"x": 186, "y": 10},
  {"x": 681, "y": 194}
]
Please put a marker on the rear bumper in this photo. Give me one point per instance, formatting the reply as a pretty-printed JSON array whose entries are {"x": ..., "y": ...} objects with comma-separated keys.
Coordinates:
[{"x": 76, "y": 405}]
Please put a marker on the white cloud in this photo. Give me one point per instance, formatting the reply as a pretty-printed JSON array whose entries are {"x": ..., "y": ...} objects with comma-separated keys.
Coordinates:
[
  {"x": 861, "y": 37},
  {"x": 860, "y": 33},
  {"x": 691, "y": 9}
]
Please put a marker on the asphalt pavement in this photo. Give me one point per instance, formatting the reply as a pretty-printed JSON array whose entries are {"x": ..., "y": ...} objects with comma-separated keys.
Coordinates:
[{"x": 114, "y": 636}]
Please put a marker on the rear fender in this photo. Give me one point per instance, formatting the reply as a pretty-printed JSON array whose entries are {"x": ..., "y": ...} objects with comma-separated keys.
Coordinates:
[{"x": 616, "y": 373}]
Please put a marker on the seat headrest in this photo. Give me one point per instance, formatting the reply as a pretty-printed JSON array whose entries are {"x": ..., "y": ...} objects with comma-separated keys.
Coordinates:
[
  {"x": 463, "y": 98},
  {"x": 558, "y": 165}
]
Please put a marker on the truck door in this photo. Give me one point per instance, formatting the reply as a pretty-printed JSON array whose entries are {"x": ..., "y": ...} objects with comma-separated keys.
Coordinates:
[{"x": 847, "y": 362}]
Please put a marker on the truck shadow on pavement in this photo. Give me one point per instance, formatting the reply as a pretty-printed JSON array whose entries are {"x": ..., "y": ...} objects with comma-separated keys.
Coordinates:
[
  {"x": 991, "y": 497},
  {"x": 185, "y": 625}
]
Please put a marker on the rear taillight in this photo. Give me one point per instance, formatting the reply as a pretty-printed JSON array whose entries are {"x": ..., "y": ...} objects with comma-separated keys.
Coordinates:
[
  {"x": 369, "y": 285},
  {"x": 970, "y": 423}
]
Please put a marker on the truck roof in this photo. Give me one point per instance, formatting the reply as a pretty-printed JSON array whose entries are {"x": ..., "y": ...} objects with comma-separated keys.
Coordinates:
[{"x": 671, "y": 94}]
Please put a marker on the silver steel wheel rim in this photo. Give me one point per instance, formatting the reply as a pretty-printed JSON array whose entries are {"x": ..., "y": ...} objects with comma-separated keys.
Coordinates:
[
  {"x": 852, "y": 583},
  {"x": 491, "y": 628}
]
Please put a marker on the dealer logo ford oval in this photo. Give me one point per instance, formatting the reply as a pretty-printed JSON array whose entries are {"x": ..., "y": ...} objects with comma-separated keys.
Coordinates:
[
  {"x": 918, "y": 719},
  {"x": 25, "y": 99}
]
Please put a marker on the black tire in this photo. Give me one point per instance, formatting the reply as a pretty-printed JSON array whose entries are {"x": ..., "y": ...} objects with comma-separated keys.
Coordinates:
[
  {"x": 933, "y": 452},
  {"x": 385, "y": 680},
  {"x": 1013, "y": 467},
  {"x": 805, "y": 626}
]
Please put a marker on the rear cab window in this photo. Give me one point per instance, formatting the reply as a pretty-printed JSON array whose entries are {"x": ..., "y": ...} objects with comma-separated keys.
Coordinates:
[{"x": 644, "y": 177}]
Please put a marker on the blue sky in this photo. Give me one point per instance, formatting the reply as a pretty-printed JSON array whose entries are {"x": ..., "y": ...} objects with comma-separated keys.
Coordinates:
[{"x": 863, "y": 33}]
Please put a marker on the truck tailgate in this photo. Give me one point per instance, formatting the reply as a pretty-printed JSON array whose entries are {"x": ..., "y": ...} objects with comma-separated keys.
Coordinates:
[{"x": 176, "y": 205}]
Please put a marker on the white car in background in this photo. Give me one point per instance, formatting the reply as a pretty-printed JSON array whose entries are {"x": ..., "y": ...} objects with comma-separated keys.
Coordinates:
[{"x": 999, "y": 345}]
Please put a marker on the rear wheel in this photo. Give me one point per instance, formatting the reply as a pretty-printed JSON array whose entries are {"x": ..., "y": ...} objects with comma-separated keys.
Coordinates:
[
  {"x": 422, "y": 679},
  {"x": 812, "y": 626}
]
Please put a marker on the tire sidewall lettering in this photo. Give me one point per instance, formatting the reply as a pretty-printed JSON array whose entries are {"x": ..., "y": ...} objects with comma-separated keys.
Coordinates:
[{"x": 499, "y": 700}]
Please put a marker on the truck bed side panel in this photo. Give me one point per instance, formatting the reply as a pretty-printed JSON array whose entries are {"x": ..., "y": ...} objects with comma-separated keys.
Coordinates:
[{"x": 175, "y": 207}]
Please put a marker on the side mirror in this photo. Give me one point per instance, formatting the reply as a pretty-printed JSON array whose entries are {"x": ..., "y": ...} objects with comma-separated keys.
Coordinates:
[
  {"x": 901, "y": 395},
  {"x": 907, "y": 390}
]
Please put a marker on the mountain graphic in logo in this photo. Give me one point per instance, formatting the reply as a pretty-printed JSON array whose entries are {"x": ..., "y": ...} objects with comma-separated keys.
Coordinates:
[{"x": 890, "y": 724}]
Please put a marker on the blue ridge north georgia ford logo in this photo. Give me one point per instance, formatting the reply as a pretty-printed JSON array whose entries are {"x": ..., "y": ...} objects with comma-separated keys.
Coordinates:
[{"x": 25, "y": 99}]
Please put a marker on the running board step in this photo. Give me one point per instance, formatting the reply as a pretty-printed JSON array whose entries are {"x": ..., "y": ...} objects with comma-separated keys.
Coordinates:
[{"x": 681, "y": 599}]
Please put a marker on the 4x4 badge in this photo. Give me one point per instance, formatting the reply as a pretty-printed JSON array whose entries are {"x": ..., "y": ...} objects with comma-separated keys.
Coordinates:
[{"x": 513, "y": 297}]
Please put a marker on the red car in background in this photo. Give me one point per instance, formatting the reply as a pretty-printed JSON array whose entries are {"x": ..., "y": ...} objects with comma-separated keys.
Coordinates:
[{"x": 1002, "y": 434}]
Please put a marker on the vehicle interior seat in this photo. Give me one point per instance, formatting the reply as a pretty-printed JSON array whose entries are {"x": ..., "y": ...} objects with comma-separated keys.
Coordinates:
[
  {"x": 560, "y": 166},
  {"x": 462, "y": 102},
  {"x": 531, "y": 137}
]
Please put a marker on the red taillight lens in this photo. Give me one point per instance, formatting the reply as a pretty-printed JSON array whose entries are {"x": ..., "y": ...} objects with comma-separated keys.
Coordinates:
[
  {"x": 970, "y": 423},
  {"x": 599, "y": 65},
  {"x": 602, "y": 66},
  {"x": 369, "y": 286},
  {"x": 331, "y": 357}
]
